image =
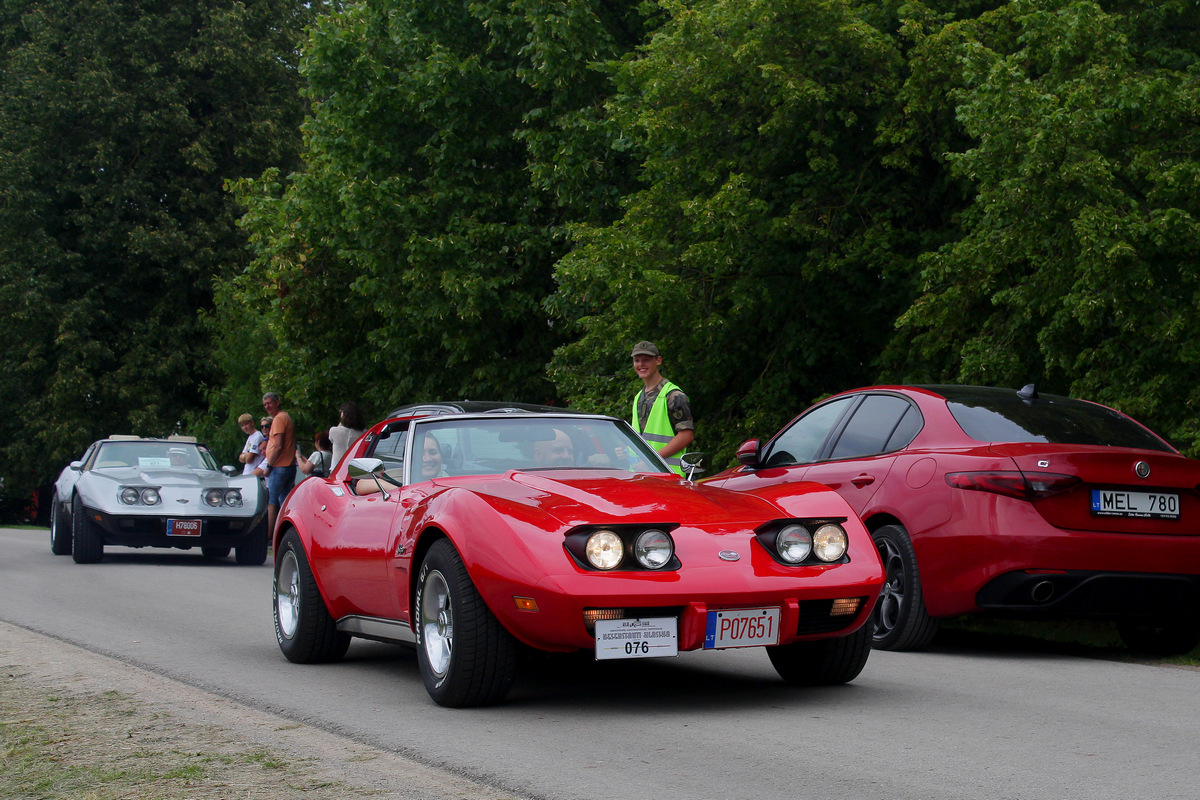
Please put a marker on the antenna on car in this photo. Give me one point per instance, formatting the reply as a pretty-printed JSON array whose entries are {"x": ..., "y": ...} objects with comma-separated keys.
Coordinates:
[{"x": 1028, "y": 392}]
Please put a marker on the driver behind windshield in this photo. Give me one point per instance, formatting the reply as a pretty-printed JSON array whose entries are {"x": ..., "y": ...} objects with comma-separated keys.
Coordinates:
[{"x": 556, "y": 452}]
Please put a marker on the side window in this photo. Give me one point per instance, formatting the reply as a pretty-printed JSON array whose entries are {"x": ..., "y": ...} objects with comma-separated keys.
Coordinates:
[
  {"x": 800, "y": 443},
  {"x": 906, "y": 430},
  {"x": 871, "y": 429},
  {"x": 390, "y": 449}
]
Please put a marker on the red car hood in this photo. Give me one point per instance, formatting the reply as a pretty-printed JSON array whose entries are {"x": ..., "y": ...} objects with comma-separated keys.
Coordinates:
[{"x": 577, "y": 497}]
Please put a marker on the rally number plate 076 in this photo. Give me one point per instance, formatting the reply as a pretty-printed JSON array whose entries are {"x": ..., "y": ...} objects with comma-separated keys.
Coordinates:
[
  {"x": 742, "y": 627},
  {"x": 649, "y": 637}
]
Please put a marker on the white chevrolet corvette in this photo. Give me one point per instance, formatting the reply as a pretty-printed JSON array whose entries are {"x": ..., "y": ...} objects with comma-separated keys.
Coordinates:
[{"x": 137, "y": 492}]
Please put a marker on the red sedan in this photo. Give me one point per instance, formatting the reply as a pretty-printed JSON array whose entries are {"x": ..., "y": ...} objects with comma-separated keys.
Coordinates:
[
  {"x": 993, "y": 500},
  {"x": 472, "y": 535}
]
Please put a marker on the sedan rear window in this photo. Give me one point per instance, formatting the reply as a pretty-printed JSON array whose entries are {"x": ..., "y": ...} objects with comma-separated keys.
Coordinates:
[{"x": 1006, "y": 417}]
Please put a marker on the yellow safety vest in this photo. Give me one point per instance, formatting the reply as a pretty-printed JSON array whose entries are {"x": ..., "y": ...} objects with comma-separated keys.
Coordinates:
[{"x": 659, "y": 430}]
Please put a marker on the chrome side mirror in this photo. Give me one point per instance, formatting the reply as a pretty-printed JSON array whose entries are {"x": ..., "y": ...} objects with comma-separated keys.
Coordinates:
[{"x": 693, "y": 464}]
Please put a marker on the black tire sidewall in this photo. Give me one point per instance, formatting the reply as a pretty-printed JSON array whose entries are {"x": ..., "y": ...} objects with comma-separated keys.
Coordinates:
[
  {"x": 914, "y": 628},
  {"x": 435, "y": 561},
  {"x": 87, "y": 547}
]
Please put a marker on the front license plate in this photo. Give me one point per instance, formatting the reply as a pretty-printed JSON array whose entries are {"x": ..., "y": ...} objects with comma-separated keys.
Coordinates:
[
  {"x": 742, "y": 627},
  {"x": 637, "y": 638},
  {"x": 183, "y": 527},
  {"x": 1110, "y": 503}
]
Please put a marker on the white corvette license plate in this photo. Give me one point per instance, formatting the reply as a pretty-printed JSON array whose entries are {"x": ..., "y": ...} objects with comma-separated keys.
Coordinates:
[
  {"x": 1109, "y": 503},
  {"x": 183, "y": 527},
  {"x": 742, "y": 627},
  {"x": 637, "y": 638}
]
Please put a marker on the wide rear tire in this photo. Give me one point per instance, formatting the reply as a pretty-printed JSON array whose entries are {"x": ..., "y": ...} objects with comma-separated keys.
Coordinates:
[
  {"x": 466, "y": 656},
  {"x": 826, "y": 662},
  {"x": 87, "y": 544},
  {"x": 899, "y": 620},
  {"x": 304, "y": 628},
  {"x": 60, "y": 528}
]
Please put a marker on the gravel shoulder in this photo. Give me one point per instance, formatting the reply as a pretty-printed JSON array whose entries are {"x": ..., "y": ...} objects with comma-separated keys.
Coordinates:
[{"x": 81, "y": 725}]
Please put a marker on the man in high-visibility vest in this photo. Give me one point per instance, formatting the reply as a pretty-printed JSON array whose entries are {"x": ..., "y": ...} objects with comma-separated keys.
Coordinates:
[{"x": 661, "y": 412}]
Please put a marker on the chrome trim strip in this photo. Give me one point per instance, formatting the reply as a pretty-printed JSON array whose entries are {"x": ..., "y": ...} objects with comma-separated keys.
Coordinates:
[{"x": 376, "y": 628}]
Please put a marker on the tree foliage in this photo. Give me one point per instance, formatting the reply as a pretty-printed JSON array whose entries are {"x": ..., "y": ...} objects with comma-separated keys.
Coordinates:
[
  {"x": 769, "y": 247},
  {"x": 496, "y": 198},
  {"x": 1075, "y": 267},
  {"x": 448, "y": 145},
  {"x": 119, "y": 122}
]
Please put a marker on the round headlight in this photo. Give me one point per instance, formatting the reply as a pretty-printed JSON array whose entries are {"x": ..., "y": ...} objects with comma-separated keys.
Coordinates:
[
  {"x": 214, "y": 497},
  {"x": 129, "y": 497},
  {"x": 233, "y": 498},
  {"x": 605, "y": 550},
  {"x": 829, "y": 542},
  {"x": 793, "y": 543},
  {"x": 653, "y": 549},
  {"x": 150, "y": 497}
]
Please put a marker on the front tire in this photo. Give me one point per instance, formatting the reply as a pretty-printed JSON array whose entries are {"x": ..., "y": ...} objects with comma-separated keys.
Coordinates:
[
  {"x": 466, "y": 656},
  {"x": 87, "y": 545},
  {"x": 60, "y": 531},
  {"x": 253, "y": 552},
  {"x": 899, "y": 620},
  {"x": 304, "y": 628},
  {"x": 826, "y": 662},
  {"x": 1171, "y": 636}
]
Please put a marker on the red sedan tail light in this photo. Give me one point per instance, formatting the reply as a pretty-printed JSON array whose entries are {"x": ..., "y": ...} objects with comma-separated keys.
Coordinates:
[{"x": 1034, "y": 486}]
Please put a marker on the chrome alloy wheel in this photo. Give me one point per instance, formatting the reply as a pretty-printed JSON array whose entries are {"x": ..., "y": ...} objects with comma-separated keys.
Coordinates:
[
  {"x": 891, "y": 599},
  {"x": 437, "y": 622},
  {"x": 287, "y": 594}
]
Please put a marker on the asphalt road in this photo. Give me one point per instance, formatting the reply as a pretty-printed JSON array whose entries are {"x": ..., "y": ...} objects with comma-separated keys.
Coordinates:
[{"x": 950, "y": 723}]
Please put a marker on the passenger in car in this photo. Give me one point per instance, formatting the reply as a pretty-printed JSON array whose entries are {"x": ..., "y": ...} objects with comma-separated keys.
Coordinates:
[
  {"x": 431, "y": 467},
  {"x": 431, "y": 459}
]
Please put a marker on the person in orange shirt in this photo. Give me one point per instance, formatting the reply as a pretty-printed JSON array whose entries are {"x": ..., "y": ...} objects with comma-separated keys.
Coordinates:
[{"x": 280, "y": 464}]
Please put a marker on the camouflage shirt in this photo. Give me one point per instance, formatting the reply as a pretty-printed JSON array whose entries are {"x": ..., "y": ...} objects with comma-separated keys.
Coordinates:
[{"x": 679, "y": 411}]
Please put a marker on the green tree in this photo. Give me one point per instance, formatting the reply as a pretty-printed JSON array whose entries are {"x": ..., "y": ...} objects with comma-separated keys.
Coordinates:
[
  {"x": 1075, "y": 263},
  {"x": 773, "y": 240},
  {"x": 119, "y": 122},
  {"x": 448, "y": 145}
]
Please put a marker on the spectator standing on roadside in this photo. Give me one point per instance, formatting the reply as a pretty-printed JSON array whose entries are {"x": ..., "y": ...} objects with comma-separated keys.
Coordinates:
[
  {"x": 280, "y": 465},
  {"x": 661, "y": 412},
  {"x": 319, "y": 464},
  {"x": 252, "y": 451},
  {"x": 350, "y": 426}
]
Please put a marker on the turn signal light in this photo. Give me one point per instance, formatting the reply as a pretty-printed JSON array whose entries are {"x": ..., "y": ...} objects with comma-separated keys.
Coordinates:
[
  {"x": 590, "y": 615},
  {"x": 845, "y": 606}
]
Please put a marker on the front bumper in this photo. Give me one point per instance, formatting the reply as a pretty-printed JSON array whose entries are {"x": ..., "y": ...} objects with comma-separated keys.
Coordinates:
[
  {"x": 150, "y": 530},
  {"x": 806, "y": 600}
]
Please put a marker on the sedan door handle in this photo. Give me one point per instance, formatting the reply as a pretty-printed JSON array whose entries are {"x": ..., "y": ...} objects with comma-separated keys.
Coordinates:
[{"x": 863, "y": 480}]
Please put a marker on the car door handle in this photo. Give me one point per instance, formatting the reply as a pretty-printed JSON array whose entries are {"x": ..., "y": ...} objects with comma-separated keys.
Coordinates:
[{"x": 863, "y": 480}]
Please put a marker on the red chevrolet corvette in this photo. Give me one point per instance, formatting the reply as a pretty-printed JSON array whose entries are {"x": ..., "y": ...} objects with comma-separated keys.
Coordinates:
[
  {"x": 1002, "y": 501},
  {"x": 472, "y": 535}
]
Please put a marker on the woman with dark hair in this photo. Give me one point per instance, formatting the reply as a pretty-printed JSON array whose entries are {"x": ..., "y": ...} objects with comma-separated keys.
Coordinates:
[
  {"x": 320, "y": 463},
  {"x": 350, "y": 426}
]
